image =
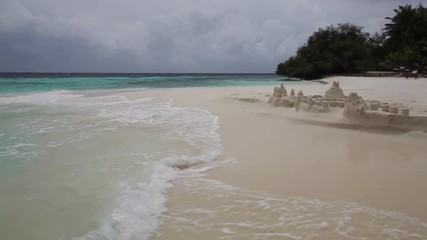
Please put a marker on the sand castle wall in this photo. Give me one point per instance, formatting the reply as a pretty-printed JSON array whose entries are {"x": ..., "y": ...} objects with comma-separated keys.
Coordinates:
[{"x": 369, "y": 113}]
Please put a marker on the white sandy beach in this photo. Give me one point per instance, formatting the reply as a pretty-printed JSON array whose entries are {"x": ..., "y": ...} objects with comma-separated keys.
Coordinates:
[{"x": 294, "y": 175}]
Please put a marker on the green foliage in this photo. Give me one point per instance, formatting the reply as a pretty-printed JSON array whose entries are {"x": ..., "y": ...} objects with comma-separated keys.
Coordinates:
[
  {"x": 407, "y": 27},
  {"x": 340, "y": 49},
  {"x": 346, "y": 49},
  {"x": 407, "y": 35},
  {"x": 378, "y": 49},
  {"x": 403, "y": 57},
  {"x": 423, "y": 51}
]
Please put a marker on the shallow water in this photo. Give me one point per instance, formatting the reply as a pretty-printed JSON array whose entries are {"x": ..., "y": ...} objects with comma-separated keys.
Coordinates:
[
  {"x": 88, "y": 165},
  {"x": 221, "y": 211},
  {"x": 78, "y": 162},
  {"x": 80, "y": 167},
  {"x": 22, "y": 82}
]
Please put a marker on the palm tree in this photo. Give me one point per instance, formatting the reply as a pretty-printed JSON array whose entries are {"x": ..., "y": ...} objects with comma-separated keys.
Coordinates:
[{"x": 407, "y": 27}]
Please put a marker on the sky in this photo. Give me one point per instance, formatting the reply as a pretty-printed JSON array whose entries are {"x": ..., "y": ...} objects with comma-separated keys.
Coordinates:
[{"x": 165, "y": 36}]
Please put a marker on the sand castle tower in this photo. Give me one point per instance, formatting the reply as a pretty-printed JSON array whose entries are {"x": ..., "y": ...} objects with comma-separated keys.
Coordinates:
[
  {"x": 283, "y": 90},
  {"x": 278, "y": 93},
  {"x": 355, "y": 106},
  {"x": 335, "y": 92}
]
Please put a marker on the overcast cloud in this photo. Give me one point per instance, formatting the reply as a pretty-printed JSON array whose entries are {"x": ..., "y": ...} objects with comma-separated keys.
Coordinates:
[{"x": 170, "y": 35}]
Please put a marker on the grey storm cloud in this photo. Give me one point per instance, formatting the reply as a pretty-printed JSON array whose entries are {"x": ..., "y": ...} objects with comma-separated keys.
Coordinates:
[{"x": 169, "y": 35}]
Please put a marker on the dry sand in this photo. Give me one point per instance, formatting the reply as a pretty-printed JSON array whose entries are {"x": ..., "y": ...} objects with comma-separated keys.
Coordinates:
[{"x": 288, "y": 175}]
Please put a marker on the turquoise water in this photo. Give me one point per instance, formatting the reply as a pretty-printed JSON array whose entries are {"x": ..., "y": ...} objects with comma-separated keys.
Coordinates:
[
  {"x": 80, "y": 161},
  {"x": 19, "y": 83},
  {"x": 93, "y": 166}
]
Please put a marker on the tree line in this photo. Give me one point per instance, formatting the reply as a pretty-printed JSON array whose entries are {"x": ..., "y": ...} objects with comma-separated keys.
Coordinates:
[{"x": 347, "y": 49}]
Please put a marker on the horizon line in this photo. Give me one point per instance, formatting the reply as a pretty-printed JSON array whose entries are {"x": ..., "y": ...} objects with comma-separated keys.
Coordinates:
[{"x": 34, "y": 72}]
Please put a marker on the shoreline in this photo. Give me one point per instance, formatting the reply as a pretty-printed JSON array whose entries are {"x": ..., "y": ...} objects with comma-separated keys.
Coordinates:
[{"x": 277, "y": 154}]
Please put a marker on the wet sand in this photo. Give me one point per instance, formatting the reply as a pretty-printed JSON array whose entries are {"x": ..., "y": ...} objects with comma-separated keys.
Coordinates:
[{"x": 288, "y": 175}]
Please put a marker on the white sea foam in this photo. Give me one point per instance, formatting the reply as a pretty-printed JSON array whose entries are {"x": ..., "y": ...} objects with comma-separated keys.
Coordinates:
[
  {"x": 37, "y": 98},
  {"x": 137, "y": 210},
  {"x": 237, "y": 213},
  {"x": 128, "y": 150}
]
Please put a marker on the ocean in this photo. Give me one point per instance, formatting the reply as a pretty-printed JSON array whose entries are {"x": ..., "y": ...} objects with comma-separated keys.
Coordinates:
[
  {"x": 79, "y": 163},
  {"x": 32, "y": 82}
]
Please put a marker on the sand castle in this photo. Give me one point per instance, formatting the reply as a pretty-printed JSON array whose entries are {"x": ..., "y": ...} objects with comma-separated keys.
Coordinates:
[
  {"x": 334, "y": 97},
  {"x": 369, "y": 114},
  {"x": 281, "y": 98},
  {"x": 335, "y": 91},
  {"x": 353, "y": 107}
]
